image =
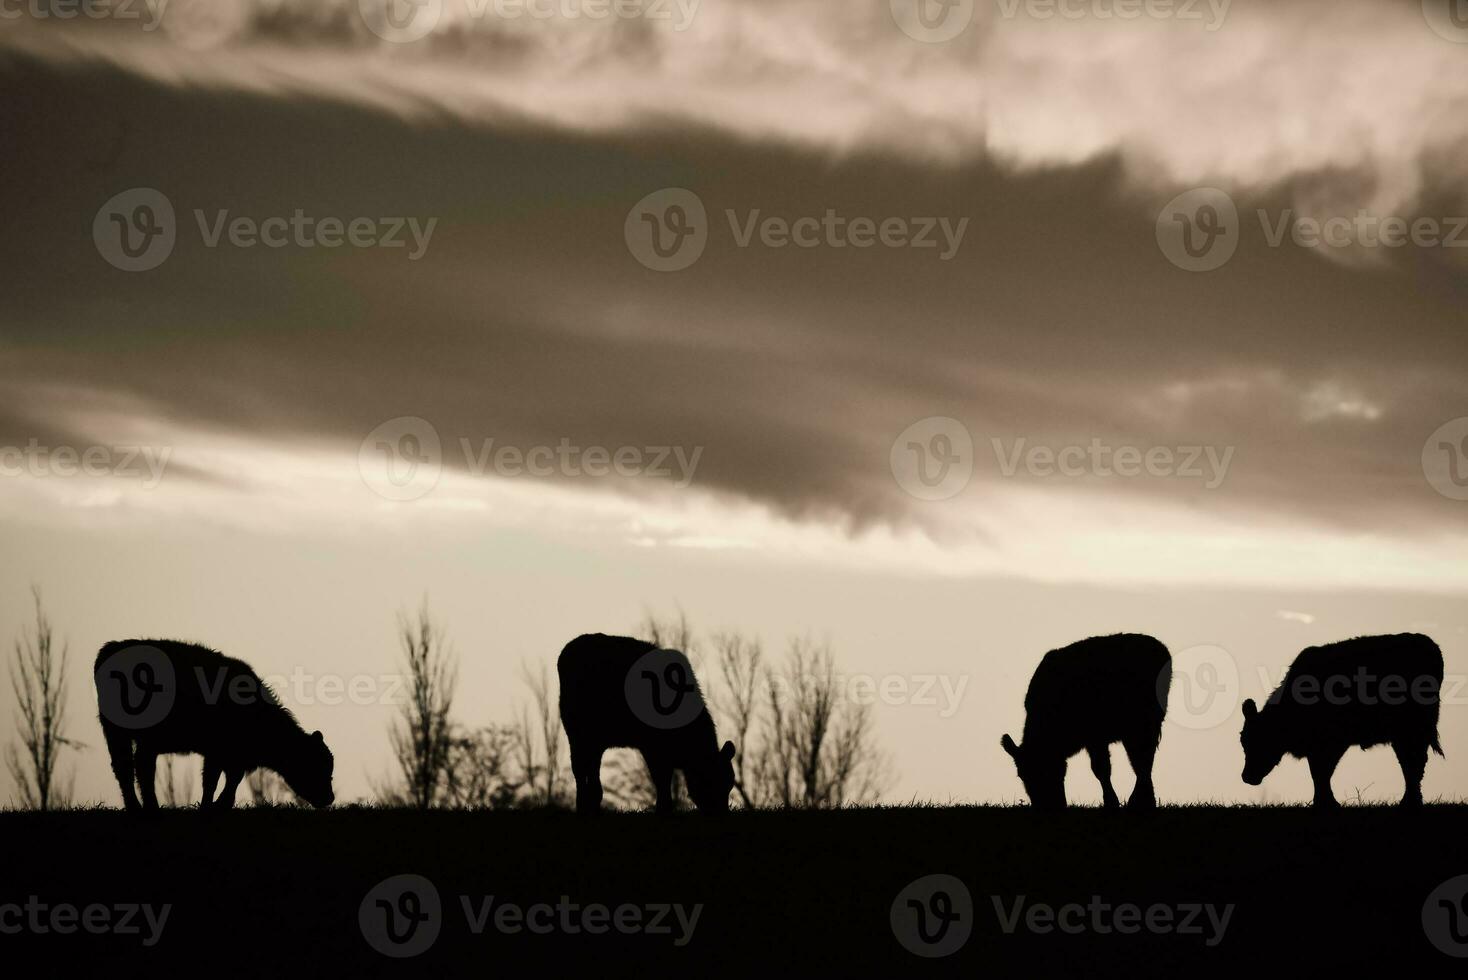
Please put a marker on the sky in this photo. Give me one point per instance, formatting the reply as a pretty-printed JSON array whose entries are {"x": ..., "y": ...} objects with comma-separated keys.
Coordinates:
[{"x": 948, "y": 335}]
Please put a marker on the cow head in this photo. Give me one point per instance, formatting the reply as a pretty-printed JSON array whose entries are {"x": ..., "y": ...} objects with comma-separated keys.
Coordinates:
[
  {"x": 1043, "y": 774},
  {"x": 308, "y": 769},
  {"x": 710, "y": 782},
  {"x": 1262, "y": 748}
]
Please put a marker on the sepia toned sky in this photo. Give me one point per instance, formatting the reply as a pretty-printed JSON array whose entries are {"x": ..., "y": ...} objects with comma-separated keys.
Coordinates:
[{"x": 1016, "y": 412}]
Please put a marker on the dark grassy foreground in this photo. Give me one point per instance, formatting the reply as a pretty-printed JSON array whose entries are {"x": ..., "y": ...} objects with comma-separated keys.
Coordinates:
[{"x": 278, "y": 891}]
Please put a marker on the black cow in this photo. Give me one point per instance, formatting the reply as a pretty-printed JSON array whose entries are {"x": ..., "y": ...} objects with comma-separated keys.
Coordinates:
[
  {"x": 620, "y": 692},
  {"x": 1371, "y": 690},
  {"x": 1086, "y": 696},
  {"x": 166, "y": 696}
]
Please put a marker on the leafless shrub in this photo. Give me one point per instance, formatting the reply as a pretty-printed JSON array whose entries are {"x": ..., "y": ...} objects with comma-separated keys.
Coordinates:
[{"x": 38, "y": 678}]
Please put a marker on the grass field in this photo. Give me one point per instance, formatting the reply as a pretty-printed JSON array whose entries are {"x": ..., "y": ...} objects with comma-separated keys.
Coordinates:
[{"x": 267, "y": 891}]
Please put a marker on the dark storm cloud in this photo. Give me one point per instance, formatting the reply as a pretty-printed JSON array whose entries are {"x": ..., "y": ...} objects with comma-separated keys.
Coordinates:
[{"x": 528, "y": 320}]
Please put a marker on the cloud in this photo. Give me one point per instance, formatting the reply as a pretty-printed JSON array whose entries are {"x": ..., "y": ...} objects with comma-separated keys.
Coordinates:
[{"x": 1059, "y": 322}]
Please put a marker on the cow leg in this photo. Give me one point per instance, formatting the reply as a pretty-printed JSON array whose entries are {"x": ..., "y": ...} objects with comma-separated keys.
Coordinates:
[
  {"x": 232, "y": 779},
  {"x": 1413, "y": 758},
  {"x": 1322, "y": 767},
  {"x": 146, "y": 761},
  {"x": 662, "y": 781},
  {"x": 211, "y": 782},
  {"x": 1140, "y": 753},
  {"x": 120, "y": 750},
  {"x": 586, "y": 767},
  {"x": 1101, "y": 768}
]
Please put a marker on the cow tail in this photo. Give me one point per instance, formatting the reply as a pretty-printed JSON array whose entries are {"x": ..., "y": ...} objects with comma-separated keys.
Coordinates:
[{"x": 1437, "y": 746}]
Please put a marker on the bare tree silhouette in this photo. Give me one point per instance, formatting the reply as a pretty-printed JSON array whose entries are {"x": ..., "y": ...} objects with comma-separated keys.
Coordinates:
[
  {"x": 38, "y": 678},
  {"x": 538, "y": 735},
  {"x": 800, "y": 741},
  {"x": 422, "y": 736}
]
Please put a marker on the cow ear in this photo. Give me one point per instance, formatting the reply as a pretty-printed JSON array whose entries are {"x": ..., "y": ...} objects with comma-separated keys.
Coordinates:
[
  {"x": 1007, "y": 744},
  {"x": 317, "y": 736},
  {"x": 1250, "y": 709},
  {"x": 727, "y": 752}
]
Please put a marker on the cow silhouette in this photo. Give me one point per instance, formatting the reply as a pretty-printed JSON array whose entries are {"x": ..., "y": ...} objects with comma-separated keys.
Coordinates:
[
  {"x": 164, "y": 696},
  {"x": 1085, "y": 696},
  {"x": 619, "y": 692},
  {"x": 1372, "y": 690}
]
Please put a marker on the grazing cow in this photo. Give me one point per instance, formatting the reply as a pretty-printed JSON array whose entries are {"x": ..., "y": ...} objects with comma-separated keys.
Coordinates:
[
  {"x": 1371, "y": 690},
  {"x": 165, "y": 696},
  {"x": 1086, "y": 696},
  {"x": 617, "y": 692}
]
